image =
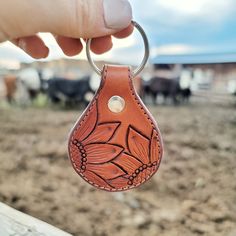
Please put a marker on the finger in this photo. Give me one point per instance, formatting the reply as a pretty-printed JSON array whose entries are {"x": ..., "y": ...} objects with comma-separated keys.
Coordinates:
[
  {"x": 101, "y": 45},
  {"x": 33, "y": 46},
  {"x": 125, "y": 32},
  {"x": 103, "y": 17},
  {"x": 70, "y": 46},
  {"x": 81, "y": 18}
]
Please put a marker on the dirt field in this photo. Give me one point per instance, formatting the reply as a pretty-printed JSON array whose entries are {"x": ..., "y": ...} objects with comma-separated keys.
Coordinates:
[{"x": 194, "y": 192}]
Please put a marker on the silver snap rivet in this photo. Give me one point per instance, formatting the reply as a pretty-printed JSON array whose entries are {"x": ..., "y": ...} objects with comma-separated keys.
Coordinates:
[{"x": 116, "y": 104}]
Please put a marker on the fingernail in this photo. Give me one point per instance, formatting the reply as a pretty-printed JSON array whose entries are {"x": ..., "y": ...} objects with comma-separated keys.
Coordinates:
[
  {"x": 22, "y": 44},
  {"x": 117, "y": 13}
]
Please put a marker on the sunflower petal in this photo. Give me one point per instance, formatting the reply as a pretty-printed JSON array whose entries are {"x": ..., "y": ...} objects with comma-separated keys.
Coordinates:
[
  {"x": 96, "y": 179},
  {"x": 106, "y": 171},
  {"x": 101, "y": 153},
  {"x": 102, "y": 133},
  {"x": 138, "y": 145},
  {"x": 128, "y": 163},
  {"x": 85, "y": 128},
  {"x": 119, "y": 182}
]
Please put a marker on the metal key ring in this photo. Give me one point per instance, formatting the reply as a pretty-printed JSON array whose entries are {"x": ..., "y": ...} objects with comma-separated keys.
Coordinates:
[{"x": 138, "y": 69}]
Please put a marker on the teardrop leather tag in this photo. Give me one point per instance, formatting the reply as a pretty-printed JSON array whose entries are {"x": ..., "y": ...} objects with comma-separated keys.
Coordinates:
[{"x": 116, "y": 151}]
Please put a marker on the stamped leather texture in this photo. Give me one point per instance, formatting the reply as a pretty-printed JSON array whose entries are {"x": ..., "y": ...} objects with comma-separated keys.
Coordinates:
[{"x": 116, "y": 151}]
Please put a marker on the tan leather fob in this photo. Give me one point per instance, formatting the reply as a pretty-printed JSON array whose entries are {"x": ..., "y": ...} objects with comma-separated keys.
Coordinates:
[{"x": 116, "y": 144}]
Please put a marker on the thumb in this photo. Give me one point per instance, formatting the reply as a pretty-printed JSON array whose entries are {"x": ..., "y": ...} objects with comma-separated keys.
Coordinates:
[
  {"x": 87, "y": 18},
  {"x": 71, "y": 18}
]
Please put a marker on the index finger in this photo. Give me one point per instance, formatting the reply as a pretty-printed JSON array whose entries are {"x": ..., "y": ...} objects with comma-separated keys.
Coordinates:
[{"x": 125, "y": 32}]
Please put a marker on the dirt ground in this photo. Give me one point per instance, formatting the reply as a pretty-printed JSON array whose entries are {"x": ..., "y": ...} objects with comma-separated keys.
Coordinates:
[{"x": 194, "y": 192}]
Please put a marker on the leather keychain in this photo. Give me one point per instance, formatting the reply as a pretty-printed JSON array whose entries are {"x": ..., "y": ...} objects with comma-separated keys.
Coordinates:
[{"x": 116, "y": 144}]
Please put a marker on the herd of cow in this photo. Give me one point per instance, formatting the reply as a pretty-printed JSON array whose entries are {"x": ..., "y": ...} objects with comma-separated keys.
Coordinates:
[
  {"x": 72, "y": 92},
  {"x": 58, "y": 90}
]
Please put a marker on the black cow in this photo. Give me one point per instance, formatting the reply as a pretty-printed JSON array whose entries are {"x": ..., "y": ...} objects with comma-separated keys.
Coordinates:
[
  {"x": 185, "y": 94},
  {"x": 69, "y": 91},
  {"x": 168, "y": 88}
]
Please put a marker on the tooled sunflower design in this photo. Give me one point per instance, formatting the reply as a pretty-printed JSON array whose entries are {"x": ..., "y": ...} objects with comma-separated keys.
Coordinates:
[
  {"x": 108, "y": 165},
  {"x": 142, "y": 160}
]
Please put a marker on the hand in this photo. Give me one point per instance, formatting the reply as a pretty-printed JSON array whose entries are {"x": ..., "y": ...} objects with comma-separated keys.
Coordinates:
[{"x": 68, "y": 20}]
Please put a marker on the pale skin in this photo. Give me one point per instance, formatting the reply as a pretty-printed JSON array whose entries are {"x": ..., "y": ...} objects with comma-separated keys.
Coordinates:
[{"x": 70, "y": 21}]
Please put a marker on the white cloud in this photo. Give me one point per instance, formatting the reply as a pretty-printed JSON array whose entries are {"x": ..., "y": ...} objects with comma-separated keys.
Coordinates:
[
  {"x": 197, "y": 7},
  {"x": 180, "y": 11},
  {"x": 10, "y": 56},
  {"x": 10, "y": 52},
  {"x": 173, "y": 49}
]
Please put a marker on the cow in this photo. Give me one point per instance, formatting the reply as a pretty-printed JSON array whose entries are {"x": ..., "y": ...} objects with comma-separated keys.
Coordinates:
[
  {"x": 10, "y": 82},
  {"x": 185, "y": 94},
  {"x": 69, "y": 91},
  {"x": 23, "y": 87},
  {"x": 168, "y": 88},
  {"x": 31, "y": 81}
]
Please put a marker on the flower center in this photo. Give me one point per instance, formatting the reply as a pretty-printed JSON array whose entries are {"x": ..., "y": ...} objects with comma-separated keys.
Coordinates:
[
  {"x": 83, "y": 154},
  {"x": 140, "y": 170}
]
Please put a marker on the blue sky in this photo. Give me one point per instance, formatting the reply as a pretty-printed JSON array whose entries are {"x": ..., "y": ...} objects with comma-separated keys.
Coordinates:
[
  {"x": 188, "y": 27},
  {"x": 175, "y": 28},
  {"x": 202, "y": 23}
]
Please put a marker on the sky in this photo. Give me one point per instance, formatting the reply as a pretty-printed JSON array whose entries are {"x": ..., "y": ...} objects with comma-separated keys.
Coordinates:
[{"x": 176, "y": 29}]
